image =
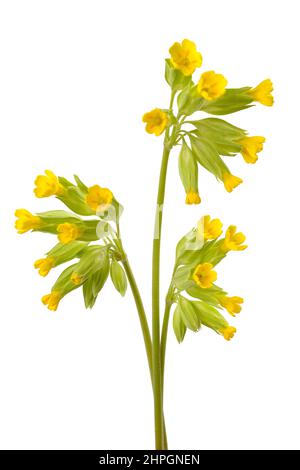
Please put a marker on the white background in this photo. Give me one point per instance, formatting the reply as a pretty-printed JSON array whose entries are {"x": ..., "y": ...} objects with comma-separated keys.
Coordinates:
[{"x": 76, "y": 77}]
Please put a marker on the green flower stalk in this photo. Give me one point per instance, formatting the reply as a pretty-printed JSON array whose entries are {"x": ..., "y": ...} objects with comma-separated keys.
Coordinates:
[{"x": 89, "y": 236}]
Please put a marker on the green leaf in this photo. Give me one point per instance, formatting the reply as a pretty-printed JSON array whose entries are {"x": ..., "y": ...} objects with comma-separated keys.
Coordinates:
[{"x": 178, "y": 325}]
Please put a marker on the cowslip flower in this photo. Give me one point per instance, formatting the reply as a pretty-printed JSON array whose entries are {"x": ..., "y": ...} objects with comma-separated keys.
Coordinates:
[
  {"x": 76, "y": 278},
  {"x": 211, "y": 85},
  {"x": 67, "y": 232},
  {"x": 47, "y": 185},
  {"x": 230, "y": 181},
  {"x": 44, "y": 265},
  {"x": 26, "y": 221},
  {"x": 228, "y": 332},
  {"x": 99, "y": 199},
  {"x": 233, "y": 241},
  {"x": 209, "y": 229},
  {"x": 250, "y": 148},
  {"x": 231, "y": 304},
  {"x": 192, "y": 197},
  {"x": 204, "y": 276},
  {"x": 156, "y": 121},
  {"x": 52, "y": 300},
  {"x": 262, "y": 93},
  {"x": 185, "y": 57}
]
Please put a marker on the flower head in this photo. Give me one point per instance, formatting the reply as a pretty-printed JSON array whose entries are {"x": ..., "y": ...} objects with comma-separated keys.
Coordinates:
[
  {"x": 211, "y": 85},
  {"x": 250, "y": 148},
  {"x": 232, "y": 304},
  {"x": 47, "y": 185},
  {"x": 76, "y": 278},
  {"x": 185, "y": 57},
  {"x": 233, "y": 241},
  {"x": 26, "y": 221},
  {"x": 230, "y": 181},
  {"x": 156, "y": 121},
  {"x": 67, "y": 232},
  {"x": 228, "y": 332},
  {"x": 263, "y": 93},
  {"x": 99, "y": 199},
  {"x": 52, "y": 300},
  {"x": 44, "y": 265},
  {"x": 209, "y": 229},
  {"x": 192, "y": 197},
  {"x": 204, "y": 275}
]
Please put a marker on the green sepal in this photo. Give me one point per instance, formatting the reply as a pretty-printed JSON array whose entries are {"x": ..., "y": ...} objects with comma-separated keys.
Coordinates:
[
  {"x": 80, "y": 184},
  {"x": 182, "y": 277},
  {"x": 188, "y": 168},
  {"x": 189, "y": 100},
  {"x": 178, "y": 325},
  {"x": 208, "y": 157},
  {"x": 175, "y": 78},
  {"x": 233, "y": 100},
  {"x": 65, "y": 252},
  {"x": 209, "y": 295},
  {"x": 118, "y": 277},
  {"x": 188, "y": 314},
  {"x": 92, "y": 287},
  {"x": 63, "y": 284},
  {"x": 209, "y": 316}
]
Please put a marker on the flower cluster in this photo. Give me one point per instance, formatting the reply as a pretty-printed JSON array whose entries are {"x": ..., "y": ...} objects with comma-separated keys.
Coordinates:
[
  {"x": 197, "y": 255},
  {"x": 205, "y": 141},
  {"x": 75, "y": 235}
]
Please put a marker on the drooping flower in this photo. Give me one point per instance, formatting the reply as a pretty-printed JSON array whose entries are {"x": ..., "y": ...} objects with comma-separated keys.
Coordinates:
[
  {"x": 67, "y": 232},
  {"x": 26, "y": 221},
  {"x": 52, "y": 300},
  {"x": 99, "y": 199},
  {"x": 262, "y": 93},
  {"x": 76, "y": 278},
  {"x": 185, "y": 57},
  {"x": 250, "y": 148},
  {"x": 209, "y": 229},
  {"x": 211, "y": 85},
  {"x": 192, "y": 197},
  {"x": 228, "y": 332},
  {"x": 156, "y": 121},
  {"x": 232, "y": 304},
  {"x": 204, "y": 275},
  {"x": 230, "y": 181},
  {"x": 233, "y": 241},
  {"x": 44, "y": 265},
  {"x": 47, "y": 185}
]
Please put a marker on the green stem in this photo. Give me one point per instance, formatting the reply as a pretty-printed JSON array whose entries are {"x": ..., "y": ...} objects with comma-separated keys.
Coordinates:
[{"x": 164, "y": 336}]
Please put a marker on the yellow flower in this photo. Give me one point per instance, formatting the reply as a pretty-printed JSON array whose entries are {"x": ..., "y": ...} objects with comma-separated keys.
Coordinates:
[
  {"x": 156, "y": 121},
  {"x": 211, "y": 85},
  {"x": 185, "y": 57},
  {"x": 263, "y": 93},
  {"x": 44, "y": 265},
  {"x": 209, "y": 229},
  {"x": 99, "y": 199},
  {"x": 250, "y": 147},
  {"x": 204, "y": 276},
  {"x": 192, "y": 197},
  {"x": 76, "y": 278},
  {"x": 233, "y": 241},
  {"x": 47, "y": 185},
  {"x": 230, "y": 181},
  {"x": 232, "y": 304},
  {"x": 26, "y": 221},
  {"x": 52, "y": 300},
  {"x": 67, "y": 232},
  {"x": 228, "y": 332}
]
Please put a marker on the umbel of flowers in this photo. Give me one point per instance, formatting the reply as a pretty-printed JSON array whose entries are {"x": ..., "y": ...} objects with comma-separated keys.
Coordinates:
[{"x": 88, "y": 232}]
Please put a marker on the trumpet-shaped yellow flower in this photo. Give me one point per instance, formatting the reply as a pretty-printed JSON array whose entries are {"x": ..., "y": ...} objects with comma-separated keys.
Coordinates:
[
  {"x": 230, "y": 181},
  {"x": 156, "y": 121},
  {"x": 209, "y": 229},
  {"x": 99, "y": 199},
  {"x": 76, "y": 278},
  {"x": 47, "y": 185},
  {"x": 185, "y": 57},
  {"x": 263, "y": 93},
  {"x": 211, "y": 85},
  {"x": 232, "y": 304},
  {"x": 44, "y": 265},
  {"x": 26, "y": 221},
  {"x": 228, "y": 332},
  {"x": 67, "y": 232},
  {"x": 52, "y": 300},
  {"x": 233, "y": 241},
  {"x": 250, "y": 148},
  {"x": 204, "y": 275},
  {"x": 192, "y": 197}
]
